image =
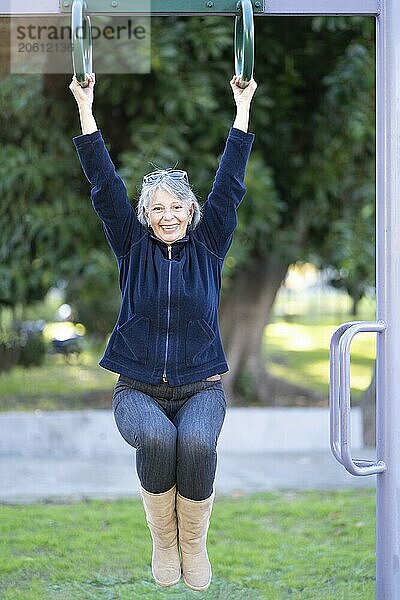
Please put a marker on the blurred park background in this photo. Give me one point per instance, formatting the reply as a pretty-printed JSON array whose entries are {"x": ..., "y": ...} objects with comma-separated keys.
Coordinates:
[
  {"x": 302, "y": 262},
  {"x": 303, "y": 256}
]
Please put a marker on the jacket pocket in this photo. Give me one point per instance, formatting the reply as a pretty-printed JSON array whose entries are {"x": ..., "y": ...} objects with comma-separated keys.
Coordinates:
[
  {"x": 199, "y": 348},
  {"x": 132, "y": 338}
]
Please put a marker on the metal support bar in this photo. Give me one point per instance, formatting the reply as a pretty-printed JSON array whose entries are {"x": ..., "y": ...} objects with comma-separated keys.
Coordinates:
[
  {"x": 388, "y": 295},
  {"x": 194, "y": 7},
  {"x": 227, "y": 7},
  {"x": 340, "y": 398},
  {"x": 164, "y": 7},
  {"x": 22, "y": 8},
  {"x": 292, "y": 8}
]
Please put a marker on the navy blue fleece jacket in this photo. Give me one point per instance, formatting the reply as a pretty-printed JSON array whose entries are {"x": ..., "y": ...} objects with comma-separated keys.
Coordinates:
[{"x": 168, "y": 321}]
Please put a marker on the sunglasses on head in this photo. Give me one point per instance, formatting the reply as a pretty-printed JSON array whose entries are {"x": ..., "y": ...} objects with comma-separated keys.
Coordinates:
[{"x": 160, "y": 173}]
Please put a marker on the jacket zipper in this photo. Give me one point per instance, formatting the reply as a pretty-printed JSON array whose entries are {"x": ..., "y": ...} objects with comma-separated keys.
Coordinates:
[{"x": 164, "y": 377}]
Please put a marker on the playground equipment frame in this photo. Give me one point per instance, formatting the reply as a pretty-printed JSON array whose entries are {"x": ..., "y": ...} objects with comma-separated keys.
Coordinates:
[
  {"x": 196, "y": 7},
  {"x": 387, "y": 325}
]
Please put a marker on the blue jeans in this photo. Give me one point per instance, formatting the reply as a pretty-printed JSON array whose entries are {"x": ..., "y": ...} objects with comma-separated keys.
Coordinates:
[{"x": 175, "y": 432}]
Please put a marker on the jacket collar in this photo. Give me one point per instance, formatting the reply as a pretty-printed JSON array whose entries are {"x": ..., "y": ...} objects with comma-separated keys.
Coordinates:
[{"x": 176, "y": 246}]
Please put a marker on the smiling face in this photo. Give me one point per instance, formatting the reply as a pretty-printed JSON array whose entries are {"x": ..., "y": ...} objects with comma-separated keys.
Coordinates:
[{"x": 168, "y": 216}]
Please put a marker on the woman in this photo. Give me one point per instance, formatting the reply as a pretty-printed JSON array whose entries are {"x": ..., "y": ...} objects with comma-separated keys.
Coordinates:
[{"x": 169, "y": 400}]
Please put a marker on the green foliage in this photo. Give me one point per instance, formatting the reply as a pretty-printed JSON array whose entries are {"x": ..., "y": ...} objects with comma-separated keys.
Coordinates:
[
  {"x": 246, "y": 387},
  {"x": 33, "y": 350},
  {"x": 259, "y": 215},
  {"x": 9, "y": 349},
  {"x": 21, "y": 346},
  {"x": 43, "y": 221},
  {"x": 94, "y": 292},
  {"x": 347, "y": 168},
  {"x": 309, "y": 143}
]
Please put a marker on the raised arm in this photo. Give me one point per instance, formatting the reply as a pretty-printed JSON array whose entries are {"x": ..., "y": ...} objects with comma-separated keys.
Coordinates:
[
  {"x": 219, "y": 219},
  {"x": 84, "y": 98},
  {"x": 109, "y": 195},
  {"x": 243, "y": 98}
]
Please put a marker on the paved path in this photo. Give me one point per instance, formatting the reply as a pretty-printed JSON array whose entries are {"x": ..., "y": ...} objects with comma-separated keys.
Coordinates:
[
  {"x": 76, "y": 455},
  {"x": 25, "y": 480}
]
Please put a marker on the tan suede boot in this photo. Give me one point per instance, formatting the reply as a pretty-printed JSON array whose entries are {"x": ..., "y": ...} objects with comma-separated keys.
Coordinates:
[
  {"x": 193, "y": 521},
  {"x": 161, "y": 519}
]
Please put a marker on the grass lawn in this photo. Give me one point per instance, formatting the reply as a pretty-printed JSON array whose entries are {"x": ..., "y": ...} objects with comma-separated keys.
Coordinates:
[
  {"x": 308, "y": 545},
  {"x": 297, "y": 350},
  {"x": 58, "y": 385}
]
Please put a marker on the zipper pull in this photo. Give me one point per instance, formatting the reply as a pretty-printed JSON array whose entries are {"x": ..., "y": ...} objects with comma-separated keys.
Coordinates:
[{"x": 170, "y": 252}]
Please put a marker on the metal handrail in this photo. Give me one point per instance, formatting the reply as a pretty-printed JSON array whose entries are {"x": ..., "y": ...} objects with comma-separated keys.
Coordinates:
[
  {"x": 82, "y": 42},
  {"x": 339, "y": 398},
  {"x": 334, "y": 400},
  {"x": 244, "y": 42}
]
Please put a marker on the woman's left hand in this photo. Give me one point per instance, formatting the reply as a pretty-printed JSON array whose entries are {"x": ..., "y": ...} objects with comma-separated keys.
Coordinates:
[{"x": 242, "y": 96}]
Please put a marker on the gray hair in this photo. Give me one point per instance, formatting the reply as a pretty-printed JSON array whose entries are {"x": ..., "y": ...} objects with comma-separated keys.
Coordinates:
[{"x": 179, "y": 188}]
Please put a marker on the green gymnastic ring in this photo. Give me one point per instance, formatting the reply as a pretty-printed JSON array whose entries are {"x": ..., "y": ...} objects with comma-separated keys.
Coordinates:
[
  {"x": 82, "y": 42},
  {"x": 244, "y": 42}
]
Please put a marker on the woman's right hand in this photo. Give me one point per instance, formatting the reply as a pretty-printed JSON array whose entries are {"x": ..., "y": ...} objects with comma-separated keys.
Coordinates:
[{"x": 83, "y": 96}]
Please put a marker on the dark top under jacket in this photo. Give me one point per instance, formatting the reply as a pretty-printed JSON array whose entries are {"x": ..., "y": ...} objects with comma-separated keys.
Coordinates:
[{"x": 168, "y": 321}]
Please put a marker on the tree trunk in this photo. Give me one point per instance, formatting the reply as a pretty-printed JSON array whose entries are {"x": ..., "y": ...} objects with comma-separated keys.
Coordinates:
[
  {"x": 354, "y": 306},
  {"x": 356, "y": 298},
  {"x": 245, "y": 311}
]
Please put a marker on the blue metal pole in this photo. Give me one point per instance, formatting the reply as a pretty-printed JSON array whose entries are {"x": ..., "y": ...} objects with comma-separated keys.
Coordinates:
[{"x": 388, "y": 300}]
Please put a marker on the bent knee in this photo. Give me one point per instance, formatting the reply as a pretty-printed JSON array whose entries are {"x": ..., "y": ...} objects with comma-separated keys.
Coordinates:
[{"x": 196, "y": 445}]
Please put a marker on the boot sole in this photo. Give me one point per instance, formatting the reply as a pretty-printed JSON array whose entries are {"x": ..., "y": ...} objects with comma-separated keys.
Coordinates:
[
  {"x": 163, "y": 584},
  {"x": 197, "y": 588}
]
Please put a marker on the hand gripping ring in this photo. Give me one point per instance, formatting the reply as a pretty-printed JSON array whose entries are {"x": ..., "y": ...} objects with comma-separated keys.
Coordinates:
[
  {"x": 244, "y": 42},
  {"x": 82, "y": 43}
]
